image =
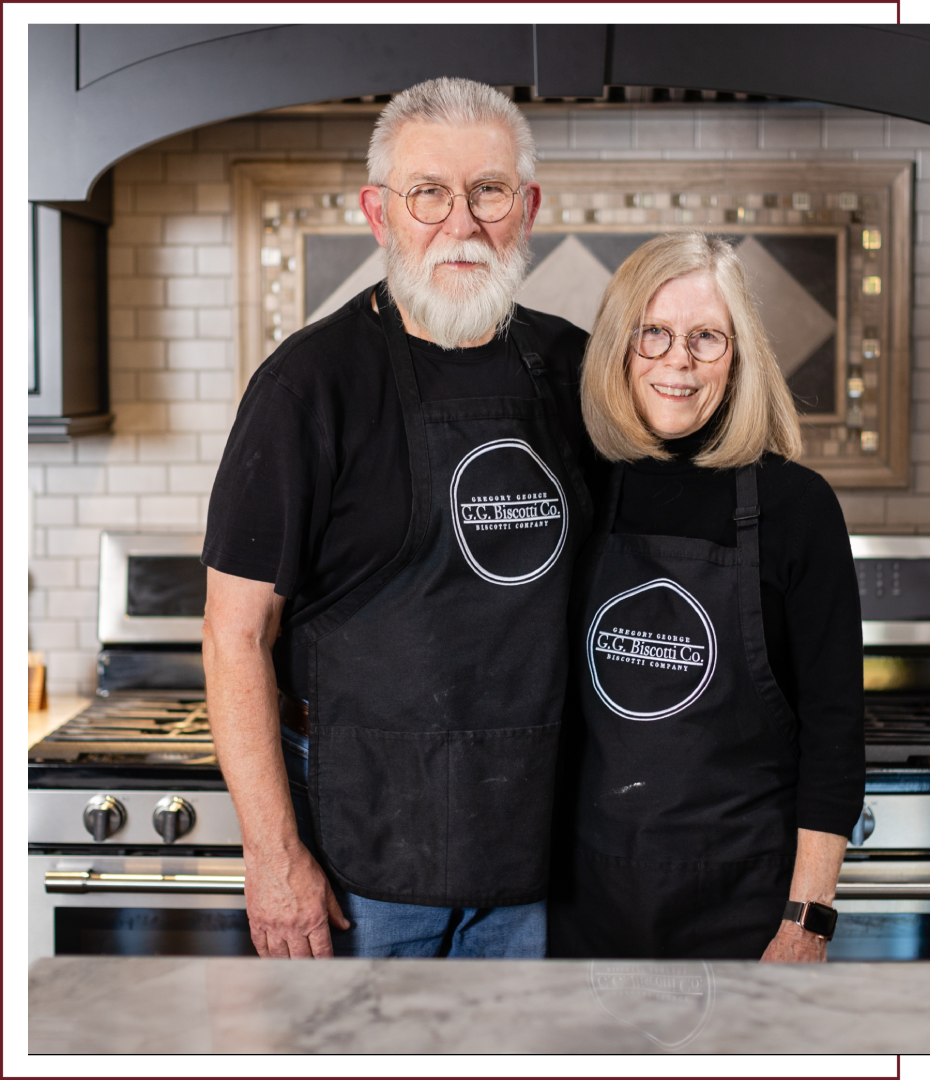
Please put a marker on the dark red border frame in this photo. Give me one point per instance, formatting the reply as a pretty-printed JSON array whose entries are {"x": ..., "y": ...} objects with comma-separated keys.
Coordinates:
[{"x": 13, "y": 539}]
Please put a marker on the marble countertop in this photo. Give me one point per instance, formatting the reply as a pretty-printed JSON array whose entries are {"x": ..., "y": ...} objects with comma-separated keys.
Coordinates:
[{"x": 191, "y": 1005}]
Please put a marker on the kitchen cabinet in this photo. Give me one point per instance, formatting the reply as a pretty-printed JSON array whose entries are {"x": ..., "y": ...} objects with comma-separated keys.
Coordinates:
[{"x": 68, "y": 356}]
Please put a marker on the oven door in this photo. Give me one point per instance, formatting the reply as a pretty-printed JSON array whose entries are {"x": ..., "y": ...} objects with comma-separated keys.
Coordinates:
[
  {"x": 137, "y": 906},
  {"x": 884, "y": 906}
]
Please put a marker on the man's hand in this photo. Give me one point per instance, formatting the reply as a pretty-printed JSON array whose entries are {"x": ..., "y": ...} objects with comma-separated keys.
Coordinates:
[
  {"x": 291, "y": 904},
  {"x": 795, "y": 945}
]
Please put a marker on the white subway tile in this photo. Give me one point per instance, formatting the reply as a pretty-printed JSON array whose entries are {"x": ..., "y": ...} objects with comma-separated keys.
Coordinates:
[
  {"x": 122, "y": 386},
  {"x": 214, "y": 323},
  {"x": 54, "y": 510},
  {"x": 37, "y": 602},
  {"x": 922, "y": 290},
  {"x": 550, "y": 133},
  {"x": 215, "y": 386},
  {"x": 920, "y": 447},
  {"x": 202, "y": 229},
  {"x": 166, "y": 448},
  {"x": 36, "y": 475},
  {"x": 53, "y": 634},
  {"x": 203, "y": 510},
  {"x": 289, "y": 135},
  {"x": 106, "y": 449},
  {"x": 108, "y": 511},
  {"x": 72, "y": 603},
  {"x": 197, "y": 416},
  {"x": 594, "y": 133},
  {"x": 141, "y": 166},
  {"x": 122, "y": 323},
  {"x": 212, "y": 446},
  {"x": 88, "y": 573},
  {"x": 188, "y": 168},
  {"x": 191, "y": 479},
  {"x": 728, "y": 131},
  {"x": 75, "y": 479},
  {"x": 167, "y": 386},
  {"x": 234, "y": 135},
  {"x": 166, "y": 260},
  {"x": 87, "y": 634},
  {"x": 923, "y": 195},
  {"x": 69, "y": 687},
  {"x": 651, "y": 131},
  {"x": 909, "y": 133},
  {"x": 790, "y": 131},
  {"x": 862, "y": 510},
  {"x": 196, "y": 292},
  {"x": 135, "y": 479},
  {"x": 855, "y": 133},
  {"x": 922, "y": 354},
  {"x": 213, "y": 198},
  {"x": 137, "y": 292},
  {"x": 920, "y": 386},
  {"x": 197, "y": 355},
  {"x": 908, "y": 510},
  {"x": 123, "y": 198},
  {"x": 165, "y": 198},
  {"x": 921, "y": 322},
  {"x": 176, "y": 511},
  {"x": 345, "y": 134},
  {"x": 167, "y": 323},
  {"x": 139, "y": 355},
  {"x": 140, "y": 416},
  {"x": 135, "y": 229},
  {"x": 121, "y": 261},
  {"x": 50, "y": 453},
  {"x": 66, "y": 667},
  {"x": 73, "y": 542},
  {"x": 184, "y": 141},
  {"x": 38, "y": 542},
  {"x": 53, "y": 573},
  {"x": 216, "y": 261}
]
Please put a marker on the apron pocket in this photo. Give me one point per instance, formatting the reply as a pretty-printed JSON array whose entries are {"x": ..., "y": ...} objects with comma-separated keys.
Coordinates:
[
  {"x": 456, "y": 818},
  {"x": 500, "y": 810}
]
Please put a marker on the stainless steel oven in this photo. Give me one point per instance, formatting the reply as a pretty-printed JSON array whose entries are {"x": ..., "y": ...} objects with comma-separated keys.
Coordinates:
[
  {"x": 134, "y": 845},
  {"x": 884, "y": 891}
]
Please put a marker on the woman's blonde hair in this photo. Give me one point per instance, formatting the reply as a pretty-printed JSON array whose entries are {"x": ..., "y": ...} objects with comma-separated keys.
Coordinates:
[{"x": 759, "y": 415}]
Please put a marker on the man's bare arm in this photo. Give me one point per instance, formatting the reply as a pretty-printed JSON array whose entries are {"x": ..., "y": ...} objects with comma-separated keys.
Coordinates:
[
  {"x": 816, "y": 872},
  {"x": 289, "y": 899}
]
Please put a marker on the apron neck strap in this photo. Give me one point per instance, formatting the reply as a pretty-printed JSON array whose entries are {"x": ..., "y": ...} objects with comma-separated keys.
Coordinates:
[{"x": 746, "y": 515}]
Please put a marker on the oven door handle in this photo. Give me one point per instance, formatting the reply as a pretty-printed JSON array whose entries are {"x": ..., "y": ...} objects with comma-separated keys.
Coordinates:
[
  {"x": 883, "y": 890},
  {"x": 86, "y": 881}
]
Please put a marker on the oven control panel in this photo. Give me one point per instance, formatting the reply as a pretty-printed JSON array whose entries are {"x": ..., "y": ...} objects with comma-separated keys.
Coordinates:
[
  {"x": 132, "y": 817},
  {"x": 893, "y": 822}
]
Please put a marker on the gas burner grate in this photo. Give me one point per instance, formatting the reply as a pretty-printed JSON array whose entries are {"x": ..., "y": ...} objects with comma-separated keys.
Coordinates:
[
  {"x": 133, "y": 719},
  {"x": 902, "y": 720}
]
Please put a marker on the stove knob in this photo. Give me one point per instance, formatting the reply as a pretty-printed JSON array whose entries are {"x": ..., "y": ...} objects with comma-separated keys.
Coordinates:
[
  {"x": 104, "y": 816},
  {"x": 174, "y": 817},
  {"x": 863, "y": 828}
]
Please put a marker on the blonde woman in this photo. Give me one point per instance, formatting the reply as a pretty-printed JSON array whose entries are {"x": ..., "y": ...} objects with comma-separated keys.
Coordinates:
[{"x": 717, "y": 758}]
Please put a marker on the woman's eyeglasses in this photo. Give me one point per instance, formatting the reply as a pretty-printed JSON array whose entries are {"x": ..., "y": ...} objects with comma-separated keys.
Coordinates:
[{"x": 706, "y": 346}]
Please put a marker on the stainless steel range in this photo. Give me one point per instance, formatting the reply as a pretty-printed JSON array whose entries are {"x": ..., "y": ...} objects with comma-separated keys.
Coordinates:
[
  {"x": 884, "y": 891},
  {"x": 134, "y": 844}
]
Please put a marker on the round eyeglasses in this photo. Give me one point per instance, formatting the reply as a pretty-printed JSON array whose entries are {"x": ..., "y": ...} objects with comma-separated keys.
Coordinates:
[
  {"x": 706, "y": 346},
  {"x": 431, "y": 204}
]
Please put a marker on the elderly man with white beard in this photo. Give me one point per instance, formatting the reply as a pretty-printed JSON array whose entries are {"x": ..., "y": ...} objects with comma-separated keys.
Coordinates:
[{"x": 389, "y": 549}]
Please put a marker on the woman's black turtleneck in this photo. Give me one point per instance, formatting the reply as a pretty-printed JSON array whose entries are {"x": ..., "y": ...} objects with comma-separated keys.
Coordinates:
[{"x": 810, "y": 602}]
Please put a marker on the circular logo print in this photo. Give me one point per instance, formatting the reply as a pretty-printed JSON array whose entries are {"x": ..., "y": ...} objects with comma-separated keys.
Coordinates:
[
  {"x": 509, "y": 512},
  {"x": 651, "y": 651}
]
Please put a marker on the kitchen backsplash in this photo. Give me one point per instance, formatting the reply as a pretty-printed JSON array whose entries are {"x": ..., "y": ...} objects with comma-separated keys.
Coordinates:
[{"x": 172, "y": 310}]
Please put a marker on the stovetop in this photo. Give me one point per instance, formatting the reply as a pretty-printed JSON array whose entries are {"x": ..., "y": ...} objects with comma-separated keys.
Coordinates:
[{"x": 144, "y": 738}]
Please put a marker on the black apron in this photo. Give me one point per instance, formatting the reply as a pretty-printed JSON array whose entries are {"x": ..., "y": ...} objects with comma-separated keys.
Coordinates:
[
  {"x": 437, "y": 685},
  {"x": 684, "y": 773}
]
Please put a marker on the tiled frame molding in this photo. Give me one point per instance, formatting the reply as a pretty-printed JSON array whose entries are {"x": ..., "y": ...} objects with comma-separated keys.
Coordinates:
[{"x": 174, "y": 323}]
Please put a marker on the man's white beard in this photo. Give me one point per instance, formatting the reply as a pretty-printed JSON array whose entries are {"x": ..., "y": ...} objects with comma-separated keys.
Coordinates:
[{"x": 466, "y": 304}]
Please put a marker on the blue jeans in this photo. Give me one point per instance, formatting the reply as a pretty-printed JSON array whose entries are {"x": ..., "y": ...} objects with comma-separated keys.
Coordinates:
[{"x": 381, "y": 929}]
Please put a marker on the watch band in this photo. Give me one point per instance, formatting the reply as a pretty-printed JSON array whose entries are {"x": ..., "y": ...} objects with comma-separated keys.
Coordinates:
[{"x": 819, "y": 919}]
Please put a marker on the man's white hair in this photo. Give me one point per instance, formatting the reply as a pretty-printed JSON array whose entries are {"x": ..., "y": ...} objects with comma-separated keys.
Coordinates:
[{"x": 458, "y": 103}]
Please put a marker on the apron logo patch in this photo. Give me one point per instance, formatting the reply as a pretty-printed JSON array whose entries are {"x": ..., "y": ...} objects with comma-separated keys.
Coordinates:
[
  {"x": 509, "y": 512},
  {"x": 651, "y": 651}
]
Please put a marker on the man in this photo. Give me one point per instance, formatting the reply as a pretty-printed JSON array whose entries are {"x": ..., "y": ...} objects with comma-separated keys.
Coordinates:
[{"x": 390, "y": 542}]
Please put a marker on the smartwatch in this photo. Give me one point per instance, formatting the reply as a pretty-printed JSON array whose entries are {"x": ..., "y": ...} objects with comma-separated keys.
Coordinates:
[{"x": 817, "y": 918}]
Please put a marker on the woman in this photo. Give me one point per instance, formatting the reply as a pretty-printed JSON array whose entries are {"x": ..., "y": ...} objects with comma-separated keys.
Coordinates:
[{"x": 716, "y": 756}]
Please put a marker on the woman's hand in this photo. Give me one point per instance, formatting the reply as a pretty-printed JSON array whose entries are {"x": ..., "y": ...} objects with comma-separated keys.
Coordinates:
[{"x": 795, "y": 945}]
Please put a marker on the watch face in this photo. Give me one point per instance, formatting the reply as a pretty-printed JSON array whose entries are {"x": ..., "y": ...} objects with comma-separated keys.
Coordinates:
[{"x": 820, "y": 919}]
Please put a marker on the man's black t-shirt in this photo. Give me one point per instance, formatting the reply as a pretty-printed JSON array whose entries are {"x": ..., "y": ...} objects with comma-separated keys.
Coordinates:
[{"x": 314, "y": 491}]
